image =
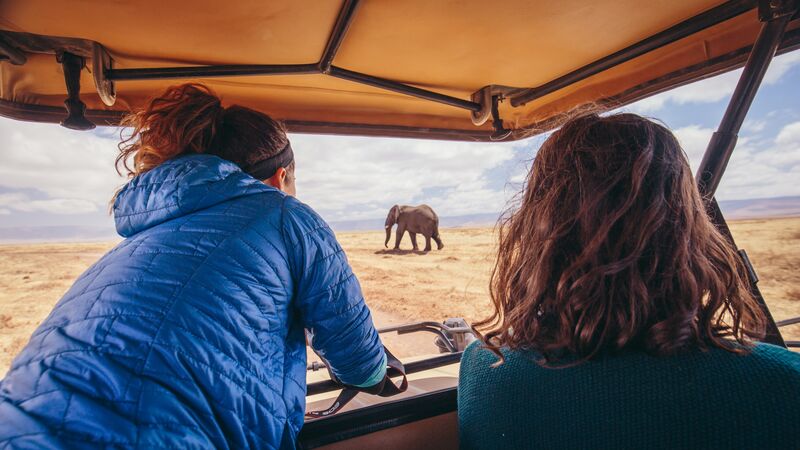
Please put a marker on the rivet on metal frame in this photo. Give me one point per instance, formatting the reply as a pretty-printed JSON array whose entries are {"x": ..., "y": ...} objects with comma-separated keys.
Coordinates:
[{"x": 101, "y": 64}]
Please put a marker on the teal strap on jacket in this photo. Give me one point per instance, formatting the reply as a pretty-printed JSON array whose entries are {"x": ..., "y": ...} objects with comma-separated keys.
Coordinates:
[{"x": 376, "y": 376}]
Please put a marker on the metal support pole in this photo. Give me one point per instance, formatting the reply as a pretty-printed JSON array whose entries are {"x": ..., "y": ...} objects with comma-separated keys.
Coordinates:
[
  {"x": 76, "y": 109},
  {"x": 773, "y": 334},
  {"x": 401, "y": 88},
  {"x": 337, "y": 35},
  {"x": 693, "y": 25},
  {"x": 723, "y": 141},
  {"x": 776, "y": 15},
  {"x": 324, "y": 66},
  {"x": 500, "y": 131},
  {"x": 11, "y": 54},
  {"x": 210, "y": 71}
]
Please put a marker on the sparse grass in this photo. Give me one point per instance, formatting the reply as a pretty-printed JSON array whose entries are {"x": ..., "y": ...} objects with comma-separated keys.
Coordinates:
[{"x": 399, "y": 286}]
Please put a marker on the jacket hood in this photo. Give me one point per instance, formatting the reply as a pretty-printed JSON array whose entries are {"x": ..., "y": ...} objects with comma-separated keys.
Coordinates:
[{"x": 180, "y": 187}]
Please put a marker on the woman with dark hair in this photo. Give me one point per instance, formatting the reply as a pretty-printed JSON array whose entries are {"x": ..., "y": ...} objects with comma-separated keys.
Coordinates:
[
  {"x": 190, "y": 333},
  {"x": 622, "y": 317}
]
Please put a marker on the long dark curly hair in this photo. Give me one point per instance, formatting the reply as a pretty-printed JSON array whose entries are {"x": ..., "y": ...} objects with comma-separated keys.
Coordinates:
[{"x": 611, "y": 249}]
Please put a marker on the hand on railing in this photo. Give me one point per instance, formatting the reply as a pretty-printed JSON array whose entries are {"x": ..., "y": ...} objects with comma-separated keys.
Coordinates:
[{"x": 385, "y": 388}]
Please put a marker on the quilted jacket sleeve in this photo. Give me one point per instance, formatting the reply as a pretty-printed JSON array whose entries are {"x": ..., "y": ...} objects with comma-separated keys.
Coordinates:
[{"x": 329, "y": 299}]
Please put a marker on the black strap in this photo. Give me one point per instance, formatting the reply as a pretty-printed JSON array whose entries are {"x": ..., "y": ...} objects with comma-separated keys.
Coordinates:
[
  {"x": 386, "y": 387},
  {"x": 266, "y": 168}
]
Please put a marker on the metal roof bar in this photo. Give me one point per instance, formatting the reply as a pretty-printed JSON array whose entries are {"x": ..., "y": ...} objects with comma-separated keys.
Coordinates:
[
  {"x": 337, "y": 35},
  {"x": 686, "y": 28},
  {"x": 324, "y": 66},
  {"x": 289, "y": 69},
  {"x": 344, "y": 19},
  {"x": 210, "y": 71},
  {"x": 401, "y": 88}
]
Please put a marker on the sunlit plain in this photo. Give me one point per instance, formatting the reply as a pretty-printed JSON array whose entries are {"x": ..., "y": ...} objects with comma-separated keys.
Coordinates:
[{"x": 399, "y": 287}]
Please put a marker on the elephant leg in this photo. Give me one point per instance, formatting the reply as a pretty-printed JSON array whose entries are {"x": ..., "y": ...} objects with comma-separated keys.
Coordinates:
[
  {"x": 400, "y": 233},
  {"x": 413, "y": 240},
  {"x": 438, "y": 240},
  {"x": 427, "y": 243}
]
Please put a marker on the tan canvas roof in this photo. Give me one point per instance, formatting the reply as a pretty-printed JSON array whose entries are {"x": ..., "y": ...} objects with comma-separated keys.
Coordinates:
[{"x": 449, "y": 47}]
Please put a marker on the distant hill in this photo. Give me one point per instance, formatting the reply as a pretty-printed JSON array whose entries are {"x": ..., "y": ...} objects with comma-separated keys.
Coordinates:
[
  {"x": 733, "y": 209},
  {"x": 761, "y": 207},
  {"x": 58, "y": 233},
  {"x": 472, "y": 220}
]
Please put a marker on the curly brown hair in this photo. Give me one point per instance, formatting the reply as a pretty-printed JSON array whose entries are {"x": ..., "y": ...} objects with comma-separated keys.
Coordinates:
[
  {"x": 611, "y": 249},
  {"x": 189, "y": 118}
]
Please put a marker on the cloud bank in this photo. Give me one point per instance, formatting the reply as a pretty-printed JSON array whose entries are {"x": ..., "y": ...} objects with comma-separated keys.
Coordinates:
[{"x": 49, "y": 173}]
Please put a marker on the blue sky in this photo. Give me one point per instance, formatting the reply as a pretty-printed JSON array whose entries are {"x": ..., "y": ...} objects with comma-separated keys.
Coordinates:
[{"x": 56, "y": 177}]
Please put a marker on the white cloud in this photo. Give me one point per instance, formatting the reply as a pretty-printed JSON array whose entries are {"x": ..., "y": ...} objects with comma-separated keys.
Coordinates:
[
  {"x": 753, "y": 126},
  {"x": 789, "y": 135},
  {"x": 72, "y": 167},
  {"x": 469, "y": 198},
  {"x": 519, "y": 178},
  {"x": 355, "y": 178},
  {"x": 20, "y": 202},
  {"x": 785, "y": 154},
  {"x": 358, "y": 178},
  {"x": 694, "y": 140},
  {"x": 59, "y": 206},
  {"x": 713, "y": 89},
  {"x": 343, "y": 177},
  {"x": 12, "y": 198},
  {"x": 705, "y": 91},
  {"x": 757, "y": 169},
  {"x": 780, "y": 65}
]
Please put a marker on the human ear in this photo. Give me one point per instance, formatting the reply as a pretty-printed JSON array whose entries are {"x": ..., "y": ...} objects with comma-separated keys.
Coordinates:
[
  {"x": 278, "y": 180},
  {"x": 281, "y": 174}
]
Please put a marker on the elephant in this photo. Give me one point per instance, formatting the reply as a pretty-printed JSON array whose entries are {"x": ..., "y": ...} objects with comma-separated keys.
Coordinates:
[{"x": 414, "y": 219}]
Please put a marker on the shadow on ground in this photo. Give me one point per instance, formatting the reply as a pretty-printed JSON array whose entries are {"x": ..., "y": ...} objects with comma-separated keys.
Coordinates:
[{"x": 401, "y": 252}]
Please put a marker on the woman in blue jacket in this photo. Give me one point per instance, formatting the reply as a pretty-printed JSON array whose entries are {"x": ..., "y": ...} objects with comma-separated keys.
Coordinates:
[{"x": 190, "y": 333}]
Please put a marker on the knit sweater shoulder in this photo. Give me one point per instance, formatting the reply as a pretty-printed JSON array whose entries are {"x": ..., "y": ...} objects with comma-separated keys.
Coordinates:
[{"x": 700, "y": 399}]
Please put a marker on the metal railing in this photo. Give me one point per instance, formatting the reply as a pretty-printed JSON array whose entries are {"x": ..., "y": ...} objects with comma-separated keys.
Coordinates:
[
  {"x": 450, "y": 340},
  {"x": 786, "y": 323}
]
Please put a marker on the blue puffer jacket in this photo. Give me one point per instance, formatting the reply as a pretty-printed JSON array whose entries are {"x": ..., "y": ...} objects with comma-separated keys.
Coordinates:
[{"x": 189, "y": 334}]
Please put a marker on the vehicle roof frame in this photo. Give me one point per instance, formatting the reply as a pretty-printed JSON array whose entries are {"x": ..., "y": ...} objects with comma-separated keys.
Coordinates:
[{"x": 325, "y": 65}]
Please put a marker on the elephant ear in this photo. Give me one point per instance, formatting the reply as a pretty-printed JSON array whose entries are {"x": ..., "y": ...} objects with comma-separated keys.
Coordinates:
[{"x": 394, "y": 215}]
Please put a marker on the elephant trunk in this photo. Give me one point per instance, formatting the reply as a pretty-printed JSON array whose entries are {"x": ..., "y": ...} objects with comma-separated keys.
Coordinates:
[{"x": 391, "y": 219}]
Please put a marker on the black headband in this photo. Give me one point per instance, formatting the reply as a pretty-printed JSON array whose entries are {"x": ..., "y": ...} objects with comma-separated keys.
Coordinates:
[{"x": 266, "y": 168}]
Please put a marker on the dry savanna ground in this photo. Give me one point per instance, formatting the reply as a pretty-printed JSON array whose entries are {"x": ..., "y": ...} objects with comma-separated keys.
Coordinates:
[{"x": 399, "y": 286}]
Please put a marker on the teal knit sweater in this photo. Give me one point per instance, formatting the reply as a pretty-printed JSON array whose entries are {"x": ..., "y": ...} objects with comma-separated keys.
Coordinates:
[{"x": 711, "y": 399}]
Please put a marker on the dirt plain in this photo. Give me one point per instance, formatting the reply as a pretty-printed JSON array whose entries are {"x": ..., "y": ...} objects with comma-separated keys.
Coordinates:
[{"x": 400, "y": 287}]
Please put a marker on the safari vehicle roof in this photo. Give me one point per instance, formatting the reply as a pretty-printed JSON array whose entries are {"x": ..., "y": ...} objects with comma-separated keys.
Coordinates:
[{"x": 387, "y": 68}]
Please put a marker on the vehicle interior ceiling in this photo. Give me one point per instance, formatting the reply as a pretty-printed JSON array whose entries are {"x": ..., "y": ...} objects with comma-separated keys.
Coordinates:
[{"x": 475, "y": 71}]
